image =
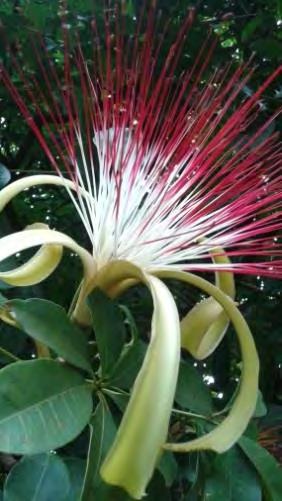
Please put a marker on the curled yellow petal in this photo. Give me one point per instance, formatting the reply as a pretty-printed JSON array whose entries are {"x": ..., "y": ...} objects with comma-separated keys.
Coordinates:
[
  {"x": 231, "y": 428},
  {"x": 38, "y": 267},
  {"x": 205, "y": 324},
  {"x": 137, "y": 447},
  {"x": 203, "y": 328},
  {"x": 26, "y": 239},
  {"x": 13, "y": 189},
  {"x": 47, "y": 258}
]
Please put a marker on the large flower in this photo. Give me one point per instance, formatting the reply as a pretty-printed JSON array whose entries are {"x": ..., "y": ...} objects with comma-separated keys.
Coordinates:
[{"x": 167, "y": 178}]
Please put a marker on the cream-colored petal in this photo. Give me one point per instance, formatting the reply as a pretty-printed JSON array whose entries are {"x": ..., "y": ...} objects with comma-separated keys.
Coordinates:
[
  {"x": 204, "y": 326},
  {"x": 135, "y": 452},
  {"x": 38, "y": 267},
  {"x": 231, "y": 428},
  {"x": 26, "y": 239}
]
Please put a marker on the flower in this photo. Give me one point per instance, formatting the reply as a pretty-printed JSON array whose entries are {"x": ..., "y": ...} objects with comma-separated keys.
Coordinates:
[{"x": 167, "y": 177}]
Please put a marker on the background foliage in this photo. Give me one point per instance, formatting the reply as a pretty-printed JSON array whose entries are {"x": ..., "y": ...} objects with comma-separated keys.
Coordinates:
[{"x": 244, "y": 29}]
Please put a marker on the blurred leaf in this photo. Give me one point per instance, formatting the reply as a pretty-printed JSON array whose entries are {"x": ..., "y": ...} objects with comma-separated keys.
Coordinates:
[
  {"x": 273, "y": 417},
  {"x": 43, "y": 405},
  {"x": 3, "y": 300},
  {"x": 40, "y": 478},
  {"x": 267, "y": 467},
  {"x": 129, "y": 9},
  {"x": 48, "y": 323},
  {"x": 279, "y": 9},
  {"x": 38, "y": 13},
  {"x": 76, "y": 469},
  {"x": 108, "y": 324},
  {"x": 168, "y": 468},
  {"x": 268, "y": 131},
  {"x": 157, "y": 489},
  {"x": 251, "y": 27},
  {"x": 191, "y": 392},
  {"x": 13, "y": 340},
  {"x": 268, "y": 47},
  {"x": 5, "y": 176}
]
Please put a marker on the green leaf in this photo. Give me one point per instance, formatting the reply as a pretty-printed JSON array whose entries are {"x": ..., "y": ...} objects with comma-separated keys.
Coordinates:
[
  {"x": 126, "y": 369},
  {"x": 230, "y": 477},
  {"x": 267, "y": 467},
  {"x": 38, "y": 478},
  {"x": 76, "y": 469},
  {"x": 129, "y": 9},
  {"x": 102, "y": 433},
  {"x": 168, "y": 468},
  {"x": 251, "y": 27},
  {"x": 43, "y": 405},
  {"x": 120, "y": 399},
  {"x": 245, "y": 482},
  {"x": 268, "y": 47},
  {"x": 128, "y": 366},
  {"x": 108, "y": 324},
  {"x": 129, "y": 320},
  {"x": 217, "y": 484},
  {"x": 191, "y": 392},
  {"x": 48, "y": 323},
  {"x": 157, "y": 489}
]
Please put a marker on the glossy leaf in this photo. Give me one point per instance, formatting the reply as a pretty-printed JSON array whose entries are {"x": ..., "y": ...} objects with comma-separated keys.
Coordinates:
[
  {"x": 109, "y": 328},
  {"x": 48, "y": 323},
  {"x": 43, "y": 406},
  {"x": 38, "y": 478}
]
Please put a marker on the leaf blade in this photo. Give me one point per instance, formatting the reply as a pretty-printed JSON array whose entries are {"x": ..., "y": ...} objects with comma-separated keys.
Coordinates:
[
  {"x": 39, "y": 478},
  {"x": 267, "y": 467},
  {"x": 110, "y": 340},
  {"x": 102, "y": 432},
  {"x": 48, "y": 323},
  {"x": 61, "y": 404}
]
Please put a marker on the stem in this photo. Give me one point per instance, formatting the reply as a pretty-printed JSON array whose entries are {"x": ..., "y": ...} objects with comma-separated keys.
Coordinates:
[
  {"x": 9, "y": 354},
  {"x": 193, "y": 415}
]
